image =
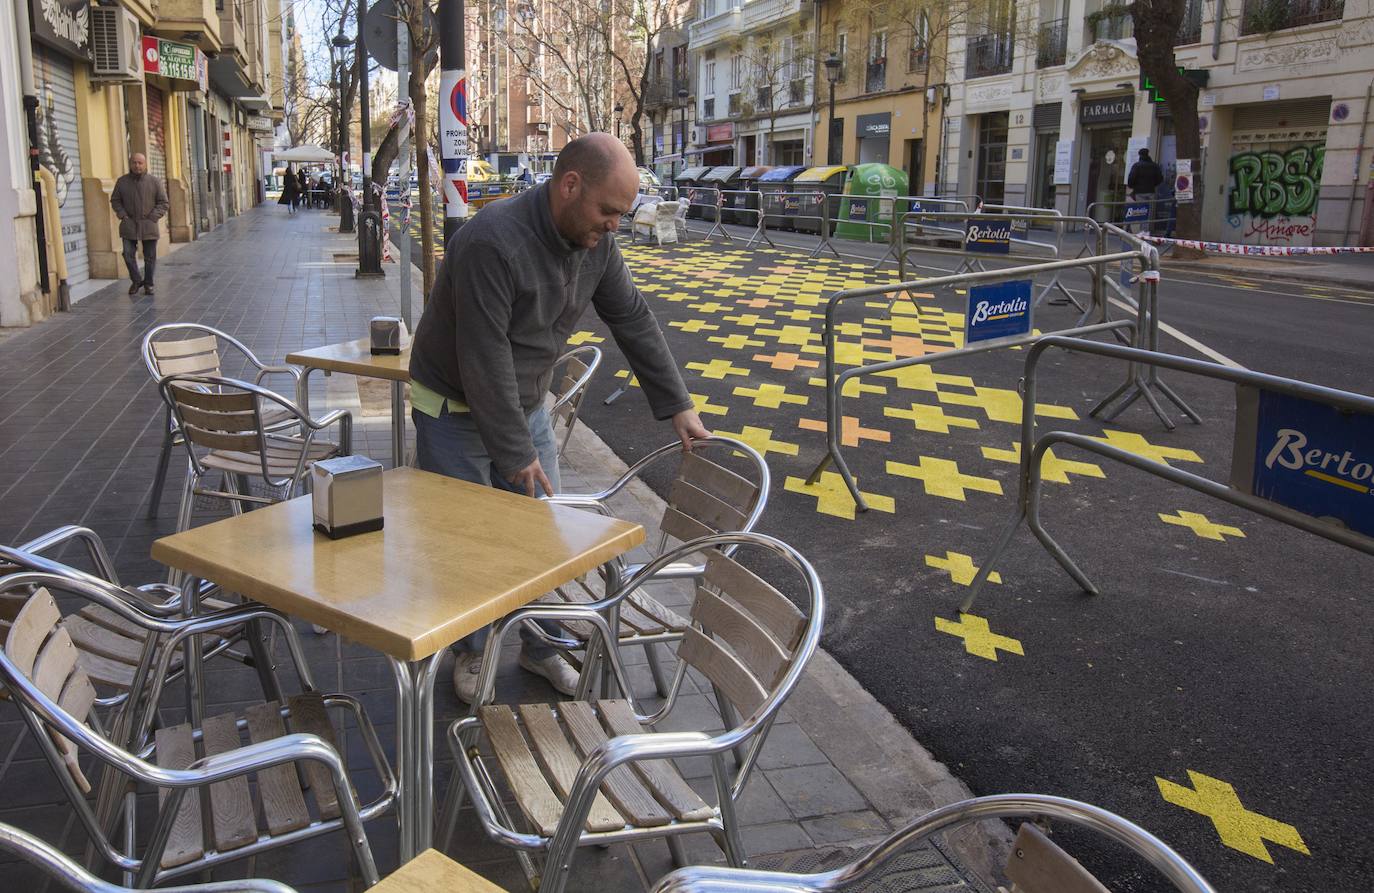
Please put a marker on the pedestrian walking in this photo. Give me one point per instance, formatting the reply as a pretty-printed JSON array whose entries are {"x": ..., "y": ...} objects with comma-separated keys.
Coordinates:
[
  {"x": 290, "y": 192},
  {"x": 514, "y": 282},
  {"x": 1145, "y": 176},
  {"x": 139, "y": 200},
  {"x": 303, "y": 183}
]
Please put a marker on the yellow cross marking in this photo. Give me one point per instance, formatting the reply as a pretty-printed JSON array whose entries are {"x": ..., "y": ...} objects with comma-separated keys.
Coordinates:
[
  {"x": 942, "y": 477},
  {"x": 847, "y": 353},
  {"x": 747, "y": 320},
  {"x": 771, "y": 396},
  {"x": 705, "y": 406},
  {"x": 960, "y": 568},
  {"x": 625, "y": 373},
  {"x": 851, "y": 432},
  {"x": 577, "y": 338},
  {"x": 736, "y": 341},
  {"x": 1199, "y": 524},
  {"x": 979, "y": 639},
  {"x": 1239, "y": 828},
  {"x": 855, "y": 387},
  {"x": 832, "y": 497},
  {"x": 786, "y": 361},
  {"x": 795, "y": 335},
  {"x": 1134, "y": 443},
  {"x": 762, "y": 440},
  {"x": 717, "y": 369},
  {"x": 694, "y": 325},
  {"x": 1052, "y": 468},
  {"x": 854, "y": 329},
  {"x": 912, "y": 378},
  {"x": 930, "y": 418},
  {"x": 708, "y": 307},
  {"x": 798, "y": 314},
  {"x": 1002, "y": 405}
]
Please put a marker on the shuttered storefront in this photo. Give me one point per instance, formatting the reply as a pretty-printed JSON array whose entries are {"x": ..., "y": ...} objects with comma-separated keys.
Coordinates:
[
  {"x": 59, "y": 152},
  {"x": 157, "y": 134},
  {"x": 1275, "y": 171}
]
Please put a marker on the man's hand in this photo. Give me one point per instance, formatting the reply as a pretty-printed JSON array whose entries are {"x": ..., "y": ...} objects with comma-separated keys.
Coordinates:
[
  {"x": 688, "y": 427},
  {"x": 532, "y": 474}
]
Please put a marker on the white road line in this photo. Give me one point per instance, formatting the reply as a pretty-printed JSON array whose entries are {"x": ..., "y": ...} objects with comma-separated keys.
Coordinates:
[{"x": 1192, "y": 342}]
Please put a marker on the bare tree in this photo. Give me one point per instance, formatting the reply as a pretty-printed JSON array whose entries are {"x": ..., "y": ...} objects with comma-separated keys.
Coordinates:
[
  {"x": 565, "y": 52},
  {"x": 1157, "y": 25},
  {"x": 777, "y": 65}
]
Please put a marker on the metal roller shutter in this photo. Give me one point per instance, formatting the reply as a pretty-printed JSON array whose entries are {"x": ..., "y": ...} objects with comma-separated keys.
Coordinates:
[
  {"x": 1276, "y": 122},
  {"x": 157, "y": 135},
  {"x": 1275, "y": 172},
  {"x": 59, "y": 152}
]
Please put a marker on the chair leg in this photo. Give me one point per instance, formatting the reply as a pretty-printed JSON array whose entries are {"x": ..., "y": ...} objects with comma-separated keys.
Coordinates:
[
  {"x": 163, "y": 460},
  {"x": 677, "y": 851},
  {"x": 188, "y": 501},
  {"x": 656, "y": 671},
  {"x": 730, "y": 719},
  {"x": 453, "y": 804}
]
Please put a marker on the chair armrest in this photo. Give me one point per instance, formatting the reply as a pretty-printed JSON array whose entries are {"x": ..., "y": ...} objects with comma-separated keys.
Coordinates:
[
  {"x": 591, "y": 501},
  {"x": 491, "y": 655},
  {"x": 95, "y": 547},
  {"x": 283, "y": 369}
]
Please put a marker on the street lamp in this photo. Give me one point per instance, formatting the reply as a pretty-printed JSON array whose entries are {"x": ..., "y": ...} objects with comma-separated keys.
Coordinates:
[
  {"x": 682, "y": 126},
  {"x": 619, "y": 110},
  {"x": 832, "y": 74},
  {"x": 343, "y": 204},
  {"x": 370, "y": 219}
]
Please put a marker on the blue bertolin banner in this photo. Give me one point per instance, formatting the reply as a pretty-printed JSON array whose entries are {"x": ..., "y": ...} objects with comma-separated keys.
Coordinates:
[
  {"x": 998, "y": 311},
  {"x": 1137, "y": 212},
  {"x": 1306, "y": 455},
  {"x": 988, "y": 236}
]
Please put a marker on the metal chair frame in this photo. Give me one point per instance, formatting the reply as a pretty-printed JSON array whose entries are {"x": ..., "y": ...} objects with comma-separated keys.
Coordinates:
[
  {"x": 196, "y": 470},
  {"x": 72, "y": 876},
  {"x": 471, "y": 775},
  {"x": 589, "y": 355},
  {"x": 172, "y": 434},
  {"x": 44, "y": 717},
  {"x": 618, "y": 570},
  {"x": 717, "y": 879}
]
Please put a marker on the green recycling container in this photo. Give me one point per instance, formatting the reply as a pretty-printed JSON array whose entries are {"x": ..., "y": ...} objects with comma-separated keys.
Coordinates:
[{"x": 873, "y": 188}]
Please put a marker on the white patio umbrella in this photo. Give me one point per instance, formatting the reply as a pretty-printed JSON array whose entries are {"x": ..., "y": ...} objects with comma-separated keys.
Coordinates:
[{"x": 308, "y": 152}]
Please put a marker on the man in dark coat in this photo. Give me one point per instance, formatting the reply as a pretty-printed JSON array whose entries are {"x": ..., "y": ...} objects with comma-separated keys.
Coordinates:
[
  {"x": 1145, "y": 176},
  {"x": 290, "y": 192},
  {"x": 139, "y": 201}
]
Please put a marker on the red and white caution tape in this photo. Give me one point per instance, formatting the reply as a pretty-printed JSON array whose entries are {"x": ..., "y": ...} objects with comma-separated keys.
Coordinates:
[{"x": 1257, "y": 250}]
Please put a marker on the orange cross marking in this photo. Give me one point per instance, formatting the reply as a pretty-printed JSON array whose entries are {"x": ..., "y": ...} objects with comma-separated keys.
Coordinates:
[
  {"x": 759, "y": 303},
  {"x": 784, "y": 361},
  {"x": 851, "y": 432},
  {"x": 901, "y": 345}
]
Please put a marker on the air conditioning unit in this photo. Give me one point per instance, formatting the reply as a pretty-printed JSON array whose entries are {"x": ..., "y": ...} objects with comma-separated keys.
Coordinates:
[{"x": 116, "y": 47}]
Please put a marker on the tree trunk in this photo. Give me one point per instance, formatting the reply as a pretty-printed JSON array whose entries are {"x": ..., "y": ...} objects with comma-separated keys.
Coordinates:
[
  {"x": 417, "y": 99},
  {"x": 1156, "y": 25}
]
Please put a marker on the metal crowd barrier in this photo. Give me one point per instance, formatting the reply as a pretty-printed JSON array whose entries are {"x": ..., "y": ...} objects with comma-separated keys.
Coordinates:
[
  {"x": 708, "y": 197},
  {"x": 773, "y": 204},
  {"x": 760, "y": 231},
  {"x": 1033, "y": 451},
  {"x": 894, "y": 238}
]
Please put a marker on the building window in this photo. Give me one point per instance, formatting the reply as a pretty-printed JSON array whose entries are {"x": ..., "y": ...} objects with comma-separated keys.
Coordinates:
[
  {"x": 875, "y": 75},
  {"x": 708, "y": 88},
  {"x": 736, "y": 71},
  {"x": 708, "y": 8},
  {"x": 734, "y": 105},
  {"x": 708, "y": 108},
  {"x": 918, "y": 57},
  {"x": 842, "y": 50}
]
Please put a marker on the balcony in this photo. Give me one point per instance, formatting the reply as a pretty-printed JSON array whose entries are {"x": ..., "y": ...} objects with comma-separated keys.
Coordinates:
[
  {"x": 875, "y": 76},
  {"x": 233, "y": 36},
  {"x": 663, "y": 93},
  {"x": 713, "y": 29},
  {"x": 194, "y": 21},
  {"x": 734, "y": 106},
  {"x": 1052, "y": 43},
  {"x": 763, "y": 100},
  {"x": 1110, "y": 23},
  {"x": 1190, "y": 29},
  {"x": 1268, "y": 16},
  {"x": 796, "y": 92},
  {"x": 758, "y": 14},
  {"x": 987, "y": 55}
]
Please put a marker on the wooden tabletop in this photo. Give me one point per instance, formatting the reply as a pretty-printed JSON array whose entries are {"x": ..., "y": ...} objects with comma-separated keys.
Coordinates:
[
  {"x": 453, "y": 557},
  {"x": 433, "y": 872},
  {"x": 356, "y": 358}
]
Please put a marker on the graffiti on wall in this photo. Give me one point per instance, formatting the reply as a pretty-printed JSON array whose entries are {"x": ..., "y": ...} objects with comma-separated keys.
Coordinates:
[{"x": 1274, "y": 193}]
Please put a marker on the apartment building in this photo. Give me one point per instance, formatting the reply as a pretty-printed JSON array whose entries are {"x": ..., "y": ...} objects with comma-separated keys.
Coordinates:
[
  {"x": 195, "y": 85},
  {"x": 1046, "y": 110}
]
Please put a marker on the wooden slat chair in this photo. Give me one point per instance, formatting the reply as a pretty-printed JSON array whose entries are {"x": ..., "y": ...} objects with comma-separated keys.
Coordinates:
[
  {"x": 194, "y": 349},
  {"x": 586, "y": 773},
  {"x": 705, "y": 497},
  {"x": 208, "y": 814},
  {"x": 1035, "y": 864},
  {"x": 223, "y": 423},
  {"x": 572, "y": 373}
]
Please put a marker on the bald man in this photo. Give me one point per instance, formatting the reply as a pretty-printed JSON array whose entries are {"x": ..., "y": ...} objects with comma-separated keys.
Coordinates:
[
  {"x": 515, "y": 281},
  {"x": 139, "y": 201}
]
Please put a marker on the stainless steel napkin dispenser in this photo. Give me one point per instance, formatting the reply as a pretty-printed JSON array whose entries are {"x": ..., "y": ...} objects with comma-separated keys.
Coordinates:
[
  {"x": 386, "y": 334},
  {"x": 347, "y": 496}
]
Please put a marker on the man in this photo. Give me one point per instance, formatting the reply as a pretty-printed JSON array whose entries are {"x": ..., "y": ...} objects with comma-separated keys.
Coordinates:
[
  {"x": 514, "y": 282},
  {"x": 139, "y": 201},
  {"x": 1145, "y": 177}
]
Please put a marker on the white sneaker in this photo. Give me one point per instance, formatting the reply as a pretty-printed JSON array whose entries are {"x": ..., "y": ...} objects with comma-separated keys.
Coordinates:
[
  {"x": 467, "y": 665},
  {"x": 319, "y": 630},
  {"x": 555, "y": 669}
]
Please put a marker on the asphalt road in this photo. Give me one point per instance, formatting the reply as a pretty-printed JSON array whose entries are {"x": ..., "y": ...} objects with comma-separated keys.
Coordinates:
[{"x": 1218, "y": 690}]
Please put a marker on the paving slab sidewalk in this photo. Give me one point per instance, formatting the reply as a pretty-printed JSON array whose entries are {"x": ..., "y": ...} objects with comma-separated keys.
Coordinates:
[{"x": 79, "y": 432}]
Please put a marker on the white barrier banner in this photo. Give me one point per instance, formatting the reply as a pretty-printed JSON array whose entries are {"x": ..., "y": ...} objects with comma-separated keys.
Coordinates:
[{"x": 1257, "y": 250}]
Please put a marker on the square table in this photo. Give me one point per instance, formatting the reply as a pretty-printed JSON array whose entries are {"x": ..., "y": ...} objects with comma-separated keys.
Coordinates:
[
  {"x": 356, "y": 358},
  {"x": 452, "y": 558}
]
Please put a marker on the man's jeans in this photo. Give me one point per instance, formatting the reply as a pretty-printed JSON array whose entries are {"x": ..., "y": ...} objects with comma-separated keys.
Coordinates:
[
  {"x": 149, "y": 260},
  {"x": 450, "y": 445}
]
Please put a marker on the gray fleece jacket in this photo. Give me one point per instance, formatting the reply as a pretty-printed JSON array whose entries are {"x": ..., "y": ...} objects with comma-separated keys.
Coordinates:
[{"x": 510, "y": 292}]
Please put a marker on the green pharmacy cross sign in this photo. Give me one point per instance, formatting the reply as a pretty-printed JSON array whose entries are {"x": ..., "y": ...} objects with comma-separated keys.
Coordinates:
[{"x": 1197, "y": 76}]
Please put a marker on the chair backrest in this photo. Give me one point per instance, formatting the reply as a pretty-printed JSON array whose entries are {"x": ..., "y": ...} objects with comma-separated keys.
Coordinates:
[
  {"x": 577, "y": 368},
  {"x": 867, "y": 873},
  {"x": 188, "y": 348},
  {"x": 227, "y": 414},
  {"x": 707, "y": 497},
  {"x": 41, "y": 651}
]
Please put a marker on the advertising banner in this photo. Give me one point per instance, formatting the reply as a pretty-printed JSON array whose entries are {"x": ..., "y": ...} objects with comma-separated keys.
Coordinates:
[
  {"x": 1137, "y": 212},
  {"x": 1306, "y": 455},
  {"x": 998, "y": 311},
  {"x": 988, "y": 236}
]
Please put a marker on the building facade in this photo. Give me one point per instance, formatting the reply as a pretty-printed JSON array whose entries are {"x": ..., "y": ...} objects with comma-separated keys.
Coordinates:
[
  {"x": 194, "y": 85},
  {"x": 1046, "y": 110}
]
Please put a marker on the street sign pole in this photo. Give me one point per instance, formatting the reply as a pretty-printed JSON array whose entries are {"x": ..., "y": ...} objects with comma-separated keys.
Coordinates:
[
  {"x": 453, "y": 115},
  {"x": 370, "y": 220},
  {"x": 403, "y": 189}
]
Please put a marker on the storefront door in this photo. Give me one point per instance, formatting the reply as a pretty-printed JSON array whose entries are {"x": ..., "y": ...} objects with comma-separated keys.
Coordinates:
[
  {"x": 59, "y": 153},
  {"x": 1107, "y": 164},
  {"x": 992, "y": 157},
  {"x": 1042, "y": 189}
]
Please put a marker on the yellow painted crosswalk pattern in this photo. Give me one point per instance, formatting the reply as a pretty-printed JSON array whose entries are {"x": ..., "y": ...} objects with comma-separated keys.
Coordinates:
[
  {"x": 1239, "y": 828},
  {"x": 979, "y": 639}
]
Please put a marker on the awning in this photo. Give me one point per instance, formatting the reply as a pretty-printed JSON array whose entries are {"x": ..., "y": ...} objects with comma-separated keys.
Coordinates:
[{"x": 307, "y": 152}]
